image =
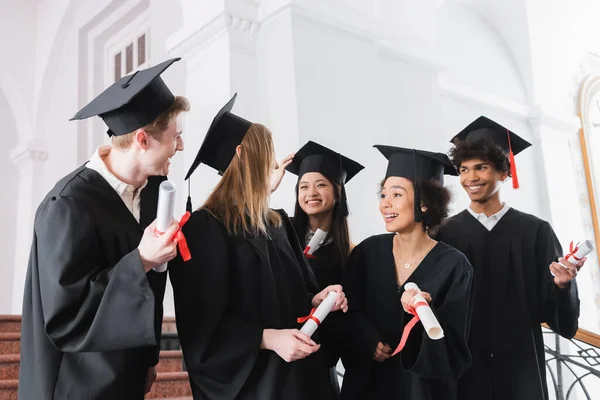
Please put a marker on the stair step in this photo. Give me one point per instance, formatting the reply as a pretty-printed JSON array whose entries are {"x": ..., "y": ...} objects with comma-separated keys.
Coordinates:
[
  {"x": 8, "y": 389},
  {"x": 10, "y": 342},
  {"x": 169, "y": 385},
  {"x": 9, "y": 366},
  {"x": 170, "y": 361},
  {"x": 10, "y": 323}
]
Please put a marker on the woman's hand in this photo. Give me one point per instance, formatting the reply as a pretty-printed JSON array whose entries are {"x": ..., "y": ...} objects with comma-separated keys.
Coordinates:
[
  {"x": 341, "y": 303},
  {"x": 382, "y": 352},
  {"x": 279, "y": 171},
  {"x": 408, "y": 299},
  {"x": 289, "y": 344}
]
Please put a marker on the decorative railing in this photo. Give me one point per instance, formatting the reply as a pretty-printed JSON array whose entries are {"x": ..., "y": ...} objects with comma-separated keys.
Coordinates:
[{"x": 572, "y": 365}]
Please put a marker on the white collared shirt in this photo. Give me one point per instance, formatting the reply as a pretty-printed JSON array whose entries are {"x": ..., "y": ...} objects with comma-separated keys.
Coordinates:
[
  {"x": 131, "y": 196},
  {"x": 492, "y": 220}
]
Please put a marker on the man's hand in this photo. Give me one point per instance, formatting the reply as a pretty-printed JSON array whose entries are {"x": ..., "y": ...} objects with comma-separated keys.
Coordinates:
[
  {"x": 156, "y": 250},
  {"x": 565, "y": 271}
]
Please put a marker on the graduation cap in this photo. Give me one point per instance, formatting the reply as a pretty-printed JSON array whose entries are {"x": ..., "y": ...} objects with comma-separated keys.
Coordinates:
[
  {"x": 485, "y": 129},
  {"x": 313, "y": 157},
  {"x": 416, "y": 165},
  {"x": 132, "y": 102},
  {"x": 225, "y": 133}
]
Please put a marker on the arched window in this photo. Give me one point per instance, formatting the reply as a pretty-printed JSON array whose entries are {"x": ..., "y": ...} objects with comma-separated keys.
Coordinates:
[{"x": 589, "y": 136}]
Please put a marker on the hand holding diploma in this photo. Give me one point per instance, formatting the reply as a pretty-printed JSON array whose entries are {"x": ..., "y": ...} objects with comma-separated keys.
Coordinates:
[
  {"x": 566, "y": 269},
  {"x": 416, "y": 302},
  {"x": 289, "y": 344},
  {"x": 164, "y": 212},
  {"x": 329, "y": 299}
]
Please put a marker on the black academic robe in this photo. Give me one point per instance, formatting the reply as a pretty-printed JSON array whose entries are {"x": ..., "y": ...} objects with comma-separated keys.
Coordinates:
[
  {"x": 232, "y": 289},
  {"x": 328, "y": 271},
  {"x": 91, "y": 316},
  {"x": 514, "y": 294},
  {"x": 425, "y": 369}
]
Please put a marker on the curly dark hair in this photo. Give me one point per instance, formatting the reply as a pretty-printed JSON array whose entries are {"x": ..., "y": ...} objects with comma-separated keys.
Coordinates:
[
  {"x": 482, "y": 149},
  {"x": 436, "y": 198}
]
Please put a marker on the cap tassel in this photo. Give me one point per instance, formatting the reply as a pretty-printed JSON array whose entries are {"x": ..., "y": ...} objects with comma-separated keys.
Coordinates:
[
  {"x": 343, "y": 210},
  {"x": 417, "y": 195},
  {"x": 188, "y": 204},
  {"x": 513, "y": 166}
]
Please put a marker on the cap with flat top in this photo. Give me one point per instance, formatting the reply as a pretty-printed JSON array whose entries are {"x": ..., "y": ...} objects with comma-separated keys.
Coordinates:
[{"x": 132, "y": 102}]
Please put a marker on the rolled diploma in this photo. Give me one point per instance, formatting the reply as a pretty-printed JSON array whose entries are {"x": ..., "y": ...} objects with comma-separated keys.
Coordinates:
[
  {"x": 321, "y": 312},
  {"x": 315, "y": 242},
  {"x": 428, "y": 319},
  {"x": 164, "y": 211},
  {"x": 583, "y": 249}
]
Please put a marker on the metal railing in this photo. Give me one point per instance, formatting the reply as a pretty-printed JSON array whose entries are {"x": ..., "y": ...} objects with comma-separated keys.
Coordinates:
[{"x": 572, "y": 365}]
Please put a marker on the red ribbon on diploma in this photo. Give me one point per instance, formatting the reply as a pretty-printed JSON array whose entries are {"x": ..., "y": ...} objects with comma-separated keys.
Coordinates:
[
  {"x": 179, "y": 237},
  {"x": 572, "y": 250},
  {"x": 411, "y": 324},
  {"x": 306, "y": 250},
  {"x": 309, "y": 316}
]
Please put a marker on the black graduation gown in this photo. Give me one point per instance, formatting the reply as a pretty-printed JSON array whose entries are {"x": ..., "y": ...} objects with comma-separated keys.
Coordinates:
[
  {"x": 232, "y": 289},
  {"x": 91, "y": 316},
  {"x": 425, "y": 369},
  {"x": 515, "y": 292},
  {"x": 328, "y": 271}
]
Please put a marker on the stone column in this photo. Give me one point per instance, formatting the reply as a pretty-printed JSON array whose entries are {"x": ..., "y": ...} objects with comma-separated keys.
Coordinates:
[{"x": 29, "y": 157}]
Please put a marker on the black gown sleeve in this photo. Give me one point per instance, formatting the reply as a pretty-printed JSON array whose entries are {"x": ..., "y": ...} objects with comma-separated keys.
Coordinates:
[
  {"x": 362, "y": 336},
  {"x": 447, "y": 358},
  {"x": 559, "y": 308},
  {"x": 88, "y": 306},
  {"x": 219, "y": 347}
]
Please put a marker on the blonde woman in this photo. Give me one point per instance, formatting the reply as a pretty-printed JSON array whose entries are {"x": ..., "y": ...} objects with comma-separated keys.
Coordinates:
[{"x": 238, "y": 299}]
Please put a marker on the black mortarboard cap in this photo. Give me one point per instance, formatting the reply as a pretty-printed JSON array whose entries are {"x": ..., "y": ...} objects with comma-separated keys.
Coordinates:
[
  {"x": 225, "y": 133},
  {"x": 485, "y": 129},
  {"x": 133, "y": 101},
  {"x": 416, "y": 165},
  {"x": 313, "y": 157},
  {"x": 223, "y": 136}
]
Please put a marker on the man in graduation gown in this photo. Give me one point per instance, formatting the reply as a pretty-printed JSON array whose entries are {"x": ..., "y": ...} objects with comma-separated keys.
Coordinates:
[
  {"x": 92, "y": 307},
  {"x": 518, "y": 283}
]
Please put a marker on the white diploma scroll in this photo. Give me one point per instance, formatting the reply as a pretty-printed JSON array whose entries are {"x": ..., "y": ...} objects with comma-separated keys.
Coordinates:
[
  {"x": 164, "y": 212},
  {"x": 581, "y": 250},
  {"x": 310, "y": 326},
  {"x": 315, "y": 242},
  {"x": 428, "y": 319}
]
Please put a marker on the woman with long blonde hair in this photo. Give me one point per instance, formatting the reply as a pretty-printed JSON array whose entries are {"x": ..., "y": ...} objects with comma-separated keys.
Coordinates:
[{"x": 238, "y": 299}]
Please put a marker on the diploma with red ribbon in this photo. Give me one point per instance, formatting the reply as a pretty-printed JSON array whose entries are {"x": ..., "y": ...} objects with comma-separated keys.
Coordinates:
[
  {"x": 422, "y": 312},
  {"x": 315, "y": 242},
  {"x": 164, "y": 216},
  {"x": 578, "y": 251},
  {"x": 317, "y": 315}
]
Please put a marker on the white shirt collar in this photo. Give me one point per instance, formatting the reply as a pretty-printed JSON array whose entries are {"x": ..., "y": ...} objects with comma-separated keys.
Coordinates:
[
  {"x": 492, "y": 220},
  {"x": 130, "y": 195},
  {"x": 97, "y": 164}
]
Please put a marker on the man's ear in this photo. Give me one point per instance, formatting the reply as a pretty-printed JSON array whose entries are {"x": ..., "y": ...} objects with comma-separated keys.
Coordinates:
[{"x": 141, "y": 139}]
